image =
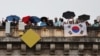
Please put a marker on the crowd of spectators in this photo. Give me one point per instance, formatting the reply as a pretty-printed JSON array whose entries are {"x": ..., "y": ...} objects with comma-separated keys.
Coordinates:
[{"x": 45, "y": 21}]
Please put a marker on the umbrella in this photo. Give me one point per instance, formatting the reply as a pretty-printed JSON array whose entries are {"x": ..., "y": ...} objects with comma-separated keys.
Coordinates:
[
  {"x": 84, "y": 17},
  {"x": 26, "y": 19},
  {"x": 34, "y": 19},
  {"x": 68, "y": 14},
  {"x": 13, "y": 18}
]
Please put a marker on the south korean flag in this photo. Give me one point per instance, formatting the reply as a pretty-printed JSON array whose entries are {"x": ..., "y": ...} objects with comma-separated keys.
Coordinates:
[{"x": 75, "y": 30}]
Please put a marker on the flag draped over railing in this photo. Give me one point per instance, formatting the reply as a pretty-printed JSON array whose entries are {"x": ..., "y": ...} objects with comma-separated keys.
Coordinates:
[{"x": 75, "y": 30}]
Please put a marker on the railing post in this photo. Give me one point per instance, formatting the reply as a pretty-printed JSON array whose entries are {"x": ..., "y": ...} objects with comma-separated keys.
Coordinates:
[
  {"x": 95, "y": 47},
  {"x": 66, "y": 49},
  {"x": 23, "y": 49},
  {"x": 9, "y": 48},
  {"x": 38, "y": 48},
  {"x": 81, "y": 47},
  {"x": 52, "y": 48}
]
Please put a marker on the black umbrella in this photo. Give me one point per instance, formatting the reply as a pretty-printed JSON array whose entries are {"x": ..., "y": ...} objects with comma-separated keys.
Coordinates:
[
  {"x": 84, "y": 17},
  {"x": 68, "y": 14}
]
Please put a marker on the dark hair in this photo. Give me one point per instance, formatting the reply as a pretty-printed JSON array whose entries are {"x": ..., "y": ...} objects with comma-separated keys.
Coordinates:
[
  {"x": 56, "y": 19},
  {"x": 50, "y": 22},
  {"x": 61, "y": 19},
  {"x": 95, "y": 21},
  {"x": 44, "y": 18}
]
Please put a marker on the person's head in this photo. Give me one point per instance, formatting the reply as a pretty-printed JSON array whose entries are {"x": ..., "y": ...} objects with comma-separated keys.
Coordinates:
[
  {"x": 50, "y": 22},
  {"x": 95, "y": 21},
  {"x": 6, "y": 20},
  {"x": 87, "y": 23},
  {"x": 44, "y": 19},
  {"x": 77, "y": 21},
  {"x": 56, "y": 19},
  {"x": 61, "y": 19},
  {"x": 71, "y": 21}
]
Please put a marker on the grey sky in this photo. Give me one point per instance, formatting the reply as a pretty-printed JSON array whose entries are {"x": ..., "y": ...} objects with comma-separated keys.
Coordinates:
[{"x": 49, "y": 8}]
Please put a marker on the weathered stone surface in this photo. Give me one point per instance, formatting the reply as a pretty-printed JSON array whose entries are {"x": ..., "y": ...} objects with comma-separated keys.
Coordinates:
[{"x": 52, "y": 42}]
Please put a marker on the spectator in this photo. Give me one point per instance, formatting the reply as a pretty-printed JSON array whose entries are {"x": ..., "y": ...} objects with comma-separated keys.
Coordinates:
[
  {"x": 32, "y": 23},
  {"x": 98, "y": 19},
  {"x": 44, "y": 21},
  {"x": 4, "y": 22},
  {"x": 61, "y": 22},
  {"x": 14, "y": 22},
  {"x": 77, "y": 21},
  {"x": 56, "y": 23},
  {"x": 96, "y": 23},
  {"x": 83, "y": 21},
  {"x": 50, "y": 23},
  {"x": 70, "y": 21},
  {"x": 87, "y": 23}
]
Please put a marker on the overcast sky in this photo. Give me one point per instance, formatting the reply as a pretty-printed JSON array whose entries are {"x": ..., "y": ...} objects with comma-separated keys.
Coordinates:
[{"x": 49, "y": 8}]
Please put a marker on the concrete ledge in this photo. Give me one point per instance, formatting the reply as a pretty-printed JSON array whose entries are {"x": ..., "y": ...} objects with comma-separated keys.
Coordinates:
[{"x": 55, "y": 39}]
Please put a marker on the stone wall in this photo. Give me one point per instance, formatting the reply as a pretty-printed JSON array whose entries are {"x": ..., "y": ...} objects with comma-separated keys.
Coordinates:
[{"x": 52, "y": 43}]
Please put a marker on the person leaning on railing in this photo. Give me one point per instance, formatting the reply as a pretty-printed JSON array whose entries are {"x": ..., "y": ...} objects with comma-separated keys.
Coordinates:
[
  {"x": 96, "y": 24},
  {"x": 4, "y": 22},
  {"x": 44, "y": 21}
]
